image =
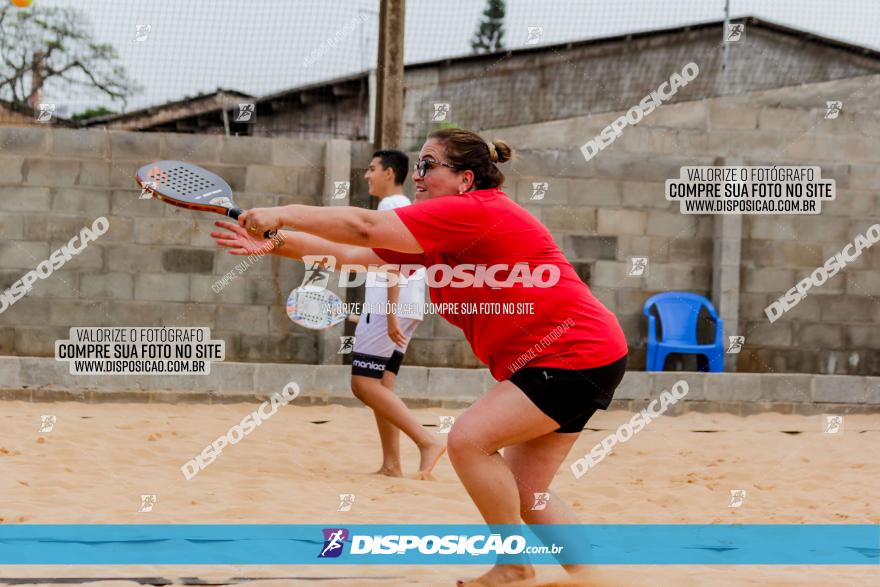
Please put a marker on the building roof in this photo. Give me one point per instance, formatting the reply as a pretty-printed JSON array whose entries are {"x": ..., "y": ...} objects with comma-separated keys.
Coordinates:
[
  {"x": 170, "y": 111},
  {"x": 345, "y": 85},
  {"x": 749, "y": 21},
  {"x": 15, "y": 112}
]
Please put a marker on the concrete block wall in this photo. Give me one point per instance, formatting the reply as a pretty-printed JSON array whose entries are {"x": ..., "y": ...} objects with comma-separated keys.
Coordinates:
[
  {"x": 836, "y": 329},
  {"x": 43, "y": 379},
  {"x": 614, "y": 74},
  {"x": 157, "y": 264},
  {"x": 611, "y": 208}
]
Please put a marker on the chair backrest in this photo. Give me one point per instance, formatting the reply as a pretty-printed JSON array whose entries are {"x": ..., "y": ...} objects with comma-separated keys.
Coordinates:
[{"x": 679, "y": 312}]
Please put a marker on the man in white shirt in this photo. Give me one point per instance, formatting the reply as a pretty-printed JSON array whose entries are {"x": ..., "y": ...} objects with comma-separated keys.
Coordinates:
[{"x": 390, "y": 316}]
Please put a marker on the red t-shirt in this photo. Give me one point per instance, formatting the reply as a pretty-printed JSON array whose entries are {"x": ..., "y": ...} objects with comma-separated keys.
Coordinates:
[{"x": 569, "y": 329}]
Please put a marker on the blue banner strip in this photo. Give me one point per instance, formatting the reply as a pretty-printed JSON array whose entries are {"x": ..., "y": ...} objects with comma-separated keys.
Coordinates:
[{"x": 297, "y": 544}]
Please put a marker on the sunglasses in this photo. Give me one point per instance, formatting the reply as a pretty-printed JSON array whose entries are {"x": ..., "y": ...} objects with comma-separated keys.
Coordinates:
[{"x": 424, "y": 165}]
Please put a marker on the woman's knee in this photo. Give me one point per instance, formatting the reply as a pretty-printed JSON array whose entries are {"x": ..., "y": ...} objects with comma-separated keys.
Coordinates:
[
  {"x": 455, "y": 441},
  {"x": 465, "y": 439},
  {"x": 458, "y": 443}
]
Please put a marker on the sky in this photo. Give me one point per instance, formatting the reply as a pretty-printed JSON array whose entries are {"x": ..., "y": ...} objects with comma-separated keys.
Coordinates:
[{"x": 263, "y": 46}]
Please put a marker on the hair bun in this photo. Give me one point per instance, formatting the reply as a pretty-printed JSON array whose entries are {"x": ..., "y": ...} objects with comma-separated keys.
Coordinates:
[
  {"x": 499, "y": 151},
  {"x": 493, "y": 155}
]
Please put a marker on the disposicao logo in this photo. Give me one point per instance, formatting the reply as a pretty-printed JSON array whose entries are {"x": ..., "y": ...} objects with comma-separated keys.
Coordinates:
[{"x": 334, "y": 539}]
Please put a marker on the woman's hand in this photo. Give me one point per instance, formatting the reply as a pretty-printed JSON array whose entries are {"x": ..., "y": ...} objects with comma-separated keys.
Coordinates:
[
  {"x": 241, "y": 241},
  {"x": 258, "y": 221}
]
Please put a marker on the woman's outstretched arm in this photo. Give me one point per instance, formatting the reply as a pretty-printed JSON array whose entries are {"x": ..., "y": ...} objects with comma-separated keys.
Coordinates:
[
  {"x": 294, "y": 245},
  {"x": 340, "y": 224}
]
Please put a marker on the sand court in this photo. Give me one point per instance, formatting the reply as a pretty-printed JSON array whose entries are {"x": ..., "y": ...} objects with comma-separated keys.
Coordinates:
[{"x": 98, "y": 460}]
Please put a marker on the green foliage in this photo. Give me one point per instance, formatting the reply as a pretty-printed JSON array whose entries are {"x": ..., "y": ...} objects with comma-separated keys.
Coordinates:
[
  {"x": 434, "y": 126},
  {"x": 91, "y": 113},
  {"x": 63, "y": 37},
  {"x": 490, "y": 31}
]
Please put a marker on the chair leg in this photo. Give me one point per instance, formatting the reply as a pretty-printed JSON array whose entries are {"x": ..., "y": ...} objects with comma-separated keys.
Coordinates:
[
  {"x": 660, "y": 360},
  {"x": 702, "y": 362},
  {"x": 710, "y": 362},
  {"x": 716, "y": 362}
]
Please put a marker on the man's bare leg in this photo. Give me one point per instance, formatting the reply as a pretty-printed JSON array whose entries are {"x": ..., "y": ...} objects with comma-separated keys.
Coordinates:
[
  {"x": 390, "y": 407},
  {"x": 390, "y": 436}
]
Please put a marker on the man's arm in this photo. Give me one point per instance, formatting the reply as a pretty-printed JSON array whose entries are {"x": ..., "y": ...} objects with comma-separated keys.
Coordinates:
[
  {"x": 394, "y": 293},
  {"x": 394, "y": 331}
]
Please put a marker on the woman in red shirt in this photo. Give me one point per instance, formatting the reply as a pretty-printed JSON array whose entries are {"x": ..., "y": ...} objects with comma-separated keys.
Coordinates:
[{"x": 557, "y": 353}]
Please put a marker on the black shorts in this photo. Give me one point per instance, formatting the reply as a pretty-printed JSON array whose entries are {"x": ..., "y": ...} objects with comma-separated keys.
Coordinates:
[
  {"x": 570, "y": 396},
  {"x": 375, "y": 367}
]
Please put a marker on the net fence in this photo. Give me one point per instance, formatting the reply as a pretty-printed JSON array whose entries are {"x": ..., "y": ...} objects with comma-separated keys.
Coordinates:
[{"x": 306, "y": 68}]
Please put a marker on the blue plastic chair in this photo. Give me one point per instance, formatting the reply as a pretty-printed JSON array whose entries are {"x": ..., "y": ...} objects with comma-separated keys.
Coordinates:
[{"x": 678, "y": 312}]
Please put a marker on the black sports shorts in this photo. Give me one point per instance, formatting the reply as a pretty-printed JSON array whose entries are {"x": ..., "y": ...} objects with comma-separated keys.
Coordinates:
[
  {"x": 374, "y": 366},
  {"x": 570, "y": 396}
]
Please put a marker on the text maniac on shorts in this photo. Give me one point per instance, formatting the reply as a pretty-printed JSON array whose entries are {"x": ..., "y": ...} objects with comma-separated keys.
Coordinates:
[
  {"x": 635, "y": 114},
  {"x": 364, "y": 364},
  {"x": 56, "y": 260}
]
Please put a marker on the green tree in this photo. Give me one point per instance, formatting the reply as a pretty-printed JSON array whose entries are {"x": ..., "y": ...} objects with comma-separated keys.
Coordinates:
[
  {"x": 424, "y": 136},
  {"x": 490, "y": 32},
  {"x": 58, "y": 43},
  {"x": 91, "y": 113}
]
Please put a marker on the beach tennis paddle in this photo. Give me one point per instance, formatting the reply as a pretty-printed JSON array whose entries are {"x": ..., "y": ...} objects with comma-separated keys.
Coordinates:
[
  {"x": 316, "y": 309},
  {"x": 189, "y": 186}
]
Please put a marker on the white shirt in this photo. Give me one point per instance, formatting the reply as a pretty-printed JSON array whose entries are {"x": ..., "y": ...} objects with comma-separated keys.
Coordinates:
[{"x": 412, "y": 294}]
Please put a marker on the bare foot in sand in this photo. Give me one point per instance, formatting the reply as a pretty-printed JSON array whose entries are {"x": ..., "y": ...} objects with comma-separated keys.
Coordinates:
[
  {"x": 586, "y": 575},
  {"x": 430, "y": 455},
  {"x": 389, "y": 471},
  {"x": 503, "y": 575}
]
